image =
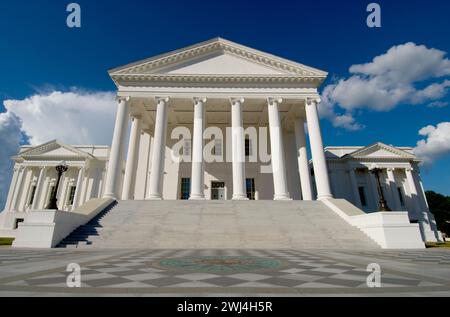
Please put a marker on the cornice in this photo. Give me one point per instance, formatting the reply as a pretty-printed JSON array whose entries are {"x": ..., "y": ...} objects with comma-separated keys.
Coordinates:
[
  {"x": 362, "y": 153},
  {"x": 221, "y": 46},
  {"x": 208, "y": 79}
]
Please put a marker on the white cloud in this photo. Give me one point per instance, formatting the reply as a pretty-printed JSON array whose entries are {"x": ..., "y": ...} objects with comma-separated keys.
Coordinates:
[
  {"x": 327, "y": 110},
  {"x": 436, "y": 144},
  {"x": 438, "y": 104},
  {"x": 406, "y": 74},
  {"x": 76, "y": 117},
  {"x": 10, "y": 137},
  {"x": 406, "y": 63},
  {"x": 71, "y": 117}
]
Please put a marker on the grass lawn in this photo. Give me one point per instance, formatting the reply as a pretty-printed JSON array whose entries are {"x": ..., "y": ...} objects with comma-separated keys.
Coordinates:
[
  {"x": 438, "y": 245},
  {"x": 6, "y": 241}
]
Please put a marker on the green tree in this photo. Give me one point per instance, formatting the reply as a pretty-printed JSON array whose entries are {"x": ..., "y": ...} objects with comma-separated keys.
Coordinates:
[{"x": 440, "y": 207}]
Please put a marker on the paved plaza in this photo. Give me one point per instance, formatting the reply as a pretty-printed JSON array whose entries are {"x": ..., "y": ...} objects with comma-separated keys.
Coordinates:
[{"x": 224, "y": 272}]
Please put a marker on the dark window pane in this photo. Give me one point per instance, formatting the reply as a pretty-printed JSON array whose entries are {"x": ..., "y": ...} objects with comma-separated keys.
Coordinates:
[
  {"x": 400, "y": 196},
  {"x": 185, "y": 188},
  {"x": 362, "y": 196},
  {"x": 247, "y": 147},
  {"x": 72, "y": 194},
  {"x": 52, "y": 192},
  {"x": 250, "y": 184},
  {"x": 33, "y": 192}
]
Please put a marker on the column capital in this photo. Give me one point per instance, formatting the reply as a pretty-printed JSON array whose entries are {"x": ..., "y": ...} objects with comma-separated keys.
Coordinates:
[
  {"x": 162, "y": 100},
  {"x": 313, "y": 101},
  {"x": 236, "y": 100},
  {"x": 274, "y": 101},
  {"x": 123, "y": 98},
  {"x": 390, "y": 169},
  {"x": 18, "y": 168},
  {"x": 196, "y": 100}
]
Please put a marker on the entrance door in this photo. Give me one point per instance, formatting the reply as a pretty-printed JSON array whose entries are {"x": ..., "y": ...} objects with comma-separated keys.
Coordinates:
[
  {"x": 217, "y": 191},
  {"x": 185, "y": 188},
  {"x": 251, "y": 191}
]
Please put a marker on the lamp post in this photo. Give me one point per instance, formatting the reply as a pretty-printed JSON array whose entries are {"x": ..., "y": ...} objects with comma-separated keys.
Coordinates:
[
  {"x": 61, "y": 169},
  {"x": 382, "y": 203}
]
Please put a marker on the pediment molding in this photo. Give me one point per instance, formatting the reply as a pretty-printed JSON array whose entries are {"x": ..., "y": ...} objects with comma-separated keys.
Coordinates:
[
  {"x": 45, "y": 150},
  {"x": 150, "y": 69},
  {"x": 366, "y": 152}
]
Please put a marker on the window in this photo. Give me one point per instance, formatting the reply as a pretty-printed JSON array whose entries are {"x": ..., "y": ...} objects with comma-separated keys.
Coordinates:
[
  {"x": 250, "y": 184},
  {"x": 32, "y": 194},
  {"x": 217, "y": 149},
  {"x": 72, "y": 191},
  {"x": 185, "y": 188},
  {"x": 400, "y": 196},
  {"x": 362, "y": 196},
  {"x": 187, "y": 147},
  {"x": 52, "y": 192},
  {"x": 248, "y": 147}
]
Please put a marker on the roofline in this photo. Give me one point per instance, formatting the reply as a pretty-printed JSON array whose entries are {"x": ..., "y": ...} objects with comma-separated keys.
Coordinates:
[
  {"x": 210, "y": 41},
  {"x": 148, "y": 59},
  {"x": 72, "y": 145}
]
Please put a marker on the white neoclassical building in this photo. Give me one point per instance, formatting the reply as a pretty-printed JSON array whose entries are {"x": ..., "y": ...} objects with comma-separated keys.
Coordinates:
[
  {"x": 218, "y": 121},
  {"x": 207, "y": 88},
  {"x": 34, "y": 179}
]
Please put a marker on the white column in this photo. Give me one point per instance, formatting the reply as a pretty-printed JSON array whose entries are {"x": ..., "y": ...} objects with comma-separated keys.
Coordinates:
[
  {"x": 39, "y": 187},
  {"x": 424, "y": 222},
  {"x": 117, "y": 148},
  {"x": 12, "y": 188},
  {"x": 423, "y": 199},
  {"x": 277, "y": 151},
  {"x": 18, "y": 189},
  {"x": 158, "y": 151},
  {"x": 132, "y": 159},
  {"x": 413, "y": 191},
  {"x": 317, "y": 151},
  {"x": 374, "y": 188},
  {"x": 354, "y": 184},
  {"x": 394, "y": 189},
  {"x": 302, "y": 156},
  {"x": 85, "y": 185},
  {"x": 238, "y": 150},
  {"x": 78, "y": 190},
  {"x": 198, "y": 171}
]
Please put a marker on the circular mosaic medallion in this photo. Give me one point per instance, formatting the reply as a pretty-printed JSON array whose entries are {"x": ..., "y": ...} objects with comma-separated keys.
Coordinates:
[{"x": 220, "y": 264}]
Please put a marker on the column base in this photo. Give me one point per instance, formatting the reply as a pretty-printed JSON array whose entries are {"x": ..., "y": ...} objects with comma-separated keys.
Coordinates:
[
  {"x": 112, "y": 196},
  {"x": 154, "y": 197},
  {"x": 282, "y": 197},
  {"x": 325, "y": 197},
  {"x": 197, "y": 197},
  {"x": 240, "y": 197}
]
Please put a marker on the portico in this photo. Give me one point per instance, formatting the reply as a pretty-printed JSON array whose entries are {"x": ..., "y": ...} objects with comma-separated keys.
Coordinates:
[
  {"x": 243, "y": 112},
  {"x": 219, "y": 121}
]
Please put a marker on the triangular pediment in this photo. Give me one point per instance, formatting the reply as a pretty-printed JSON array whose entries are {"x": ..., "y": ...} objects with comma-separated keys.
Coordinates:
[
  {"x": 54, "y": 149},
  {"x": 218, "y": 57},
  {"x": 381, "y": 151},
  {"x": 219, "y": 63}
]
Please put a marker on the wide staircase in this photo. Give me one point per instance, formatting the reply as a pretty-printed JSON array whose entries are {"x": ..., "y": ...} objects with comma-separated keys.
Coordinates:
[{"x": 219, "y": 225}]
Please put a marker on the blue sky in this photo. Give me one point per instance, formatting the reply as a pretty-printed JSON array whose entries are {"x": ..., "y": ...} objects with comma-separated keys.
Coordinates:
[{"x": 40, "y": 53}]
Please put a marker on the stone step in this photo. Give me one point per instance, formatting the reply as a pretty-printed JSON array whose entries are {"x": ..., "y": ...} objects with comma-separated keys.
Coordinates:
[{"x": 229, "y": 224}]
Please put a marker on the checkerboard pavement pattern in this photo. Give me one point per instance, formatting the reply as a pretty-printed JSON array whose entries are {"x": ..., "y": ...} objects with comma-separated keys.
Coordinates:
[
  {"x": 141, "y": 270},
  {"x": 11, "y": 256},
  {"x": 441, "y": 257}
]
